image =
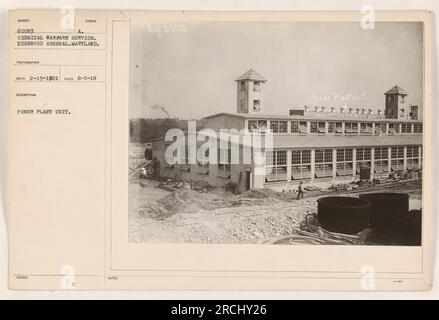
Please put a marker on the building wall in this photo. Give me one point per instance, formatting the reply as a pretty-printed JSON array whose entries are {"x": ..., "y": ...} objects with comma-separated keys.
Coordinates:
[
  {"x": 242, "y": 95},
  {"x": 190, "y": 173},
  {"x": 223, "y": 121},
  {"x": 195, "y": 173}
]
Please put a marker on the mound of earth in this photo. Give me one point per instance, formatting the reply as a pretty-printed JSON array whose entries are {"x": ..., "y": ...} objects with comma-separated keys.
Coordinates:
[
  {"x": 187, "y": 200},
  {"x": 152, "y": 209}
]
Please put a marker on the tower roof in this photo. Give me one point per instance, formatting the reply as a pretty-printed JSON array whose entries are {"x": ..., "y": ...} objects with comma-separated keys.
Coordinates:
[
  {"x": 251, "y": 75},
  {"x": 397, "y": 90}
]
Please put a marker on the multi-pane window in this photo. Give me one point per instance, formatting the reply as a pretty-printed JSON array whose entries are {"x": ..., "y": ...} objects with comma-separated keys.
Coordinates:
[
  {"x": 417, "y": 128},
  {"x": 378, "y": 128},
  {"x": 279, "y": 126},
  {"x": 294, "y": 127},
  {"x": 299, "y": 127},
  {"x": 363, "y": 158},
  {"x": 322, "y": 127},
  {"x": 412, "y": 157},
  {"x": 257, "y": 86},
  {"x": 366, "y": 128},
  {"x": 276, "y": 166},
  {"x": 391, "y": 128},
  {"x": 314, "y": 127},
  {"x": 381, "y": 156},
  {"x": 256, "y": 105},
  {"x": 257, "y": 125},
  {"x": 283, "y": 126},
  {"x": 405, "y": 128},
  {"x": 344, "y": 162},
  {"x": 303, "y": 127},
  {"x": 397, "y": 152},
  {"x": 397, "y": 158},
  {"x": 351, "y": 128},
  {"x": 396, "y": 127},
  {"x": 323, "y": 163},
  {"x": 300, "y": 164},
  {"x": 224, "y": 161},
  {"x": 331, "y": 127},
  {"x": 339, "y": 127}
]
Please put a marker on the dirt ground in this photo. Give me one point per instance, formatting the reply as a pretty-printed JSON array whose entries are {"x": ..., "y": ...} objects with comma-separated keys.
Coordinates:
[{"x": 217, "y": 216}]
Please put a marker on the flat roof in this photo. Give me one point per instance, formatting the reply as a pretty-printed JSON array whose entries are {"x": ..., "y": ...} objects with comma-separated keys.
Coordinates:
[
  {"x": 334, "y": 117},
  {"x": 310, "y": 141},
  {"x": 289, "y": 141}
]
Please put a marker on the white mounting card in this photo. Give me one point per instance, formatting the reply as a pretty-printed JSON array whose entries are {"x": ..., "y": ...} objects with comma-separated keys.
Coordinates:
[{"x": 118, "y": 176}]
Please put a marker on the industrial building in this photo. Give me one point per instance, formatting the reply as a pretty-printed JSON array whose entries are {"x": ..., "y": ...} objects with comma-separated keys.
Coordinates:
[{"x": 314, "y": 144}]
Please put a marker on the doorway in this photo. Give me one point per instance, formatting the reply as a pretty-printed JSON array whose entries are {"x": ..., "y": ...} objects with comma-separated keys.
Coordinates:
[{"x": 247, "y": 179}]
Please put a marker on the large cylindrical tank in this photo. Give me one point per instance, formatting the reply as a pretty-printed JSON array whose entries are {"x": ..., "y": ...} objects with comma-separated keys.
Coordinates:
[
  {"x": 391, "y": 203},
  {"x": 347, "y": 215},
  {"x": 390, "y": 219}
]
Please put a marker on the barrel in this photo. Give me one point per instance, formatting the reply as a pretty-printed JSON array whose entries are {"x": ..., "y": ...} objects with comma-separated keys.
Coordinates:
[
  {"x": 364, "y": 173},
  {"x": 391, "y": 203},
  {"x": 347, "y": 215}
]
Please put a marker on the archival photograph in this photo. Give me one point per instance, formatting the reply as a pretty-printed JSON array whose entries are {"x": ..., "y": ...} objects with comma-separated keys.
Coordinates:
[{"x": 276, "y": 133}]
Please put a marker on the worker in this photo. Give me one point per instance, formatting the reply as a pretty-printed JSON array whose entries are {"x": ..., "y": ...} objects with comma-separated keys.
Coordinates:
[{"x": 300, "y": 190}]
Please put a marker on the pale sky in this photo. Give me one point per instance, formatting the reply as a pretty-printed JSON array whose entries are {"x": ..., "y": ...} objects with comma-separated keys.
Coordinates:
[{"x": 192, "y": 74}]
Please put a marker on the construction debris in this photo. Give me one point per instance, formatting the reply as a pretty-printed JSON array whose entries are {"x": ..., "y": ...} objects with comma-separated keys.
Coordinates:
[
  {"x": 312, "y": 188},
  {"x": 343, "y": 187},
  {"x": 310, "y": 232},
  {"x": 194, "y": 213}
]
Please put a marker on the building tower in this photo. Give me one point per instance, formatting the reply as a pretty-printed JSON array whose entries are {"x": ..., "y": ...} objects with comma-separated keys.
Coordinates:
[
  {"x": 250, "y": 87},
  {"x": 395, "y": 103}
]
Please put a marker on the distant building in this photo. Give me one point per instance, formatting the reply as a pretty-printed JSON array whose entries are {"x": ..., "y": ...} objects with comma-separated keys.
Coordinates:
[{"x": 313, "y": 144}]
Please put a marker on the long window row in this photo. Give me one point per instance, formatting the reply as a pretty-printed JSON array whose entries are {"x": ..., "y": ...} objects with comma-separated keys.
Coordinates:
[
  {"x": 344, "y": 160},
  {"x": 334, "y": 127}
]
